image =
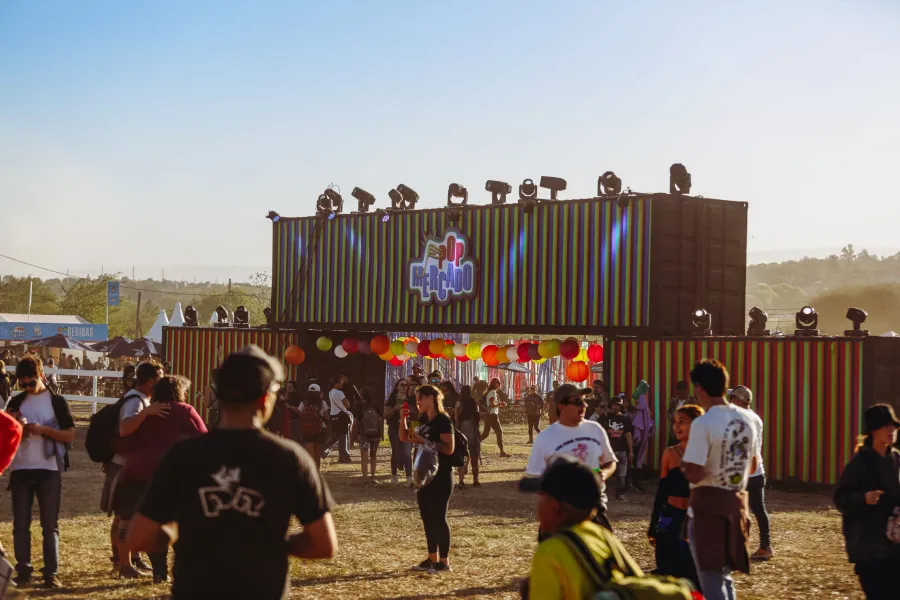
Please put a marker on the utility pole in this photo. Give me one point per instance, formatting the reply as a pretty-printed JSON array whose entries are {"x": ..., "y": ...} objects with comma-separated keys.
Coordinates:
[
  {"x": 132, "y": 272},
  {"x": 137, "y": 318}
]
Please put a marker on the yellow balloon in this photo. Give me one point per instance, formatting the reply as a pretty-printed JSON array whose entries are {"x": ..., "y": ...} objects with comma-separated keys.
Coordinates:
[
  {"x": 323, "y": 344},
  {"x": 473, "y": 351},
  {"x": 398, "y": 347},
  {"x": 582, "y": 356},
  {"x": 448, "y": 352},
  {"x": 539, "y": 361},
  {"x": 386, "y": 356}
]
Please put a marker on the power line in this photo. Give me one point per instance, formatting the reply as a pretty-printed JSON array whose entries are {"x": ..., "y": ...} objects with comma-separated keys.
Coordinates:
[{"x": 129, "y": 287}]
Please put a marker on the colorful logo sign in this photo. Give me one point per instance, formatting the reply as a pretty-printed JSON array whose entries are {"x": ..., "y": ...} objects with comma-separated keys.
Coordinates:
[
  {"x": 445, "y": 271},
  {"x": 23, "y": 332}
]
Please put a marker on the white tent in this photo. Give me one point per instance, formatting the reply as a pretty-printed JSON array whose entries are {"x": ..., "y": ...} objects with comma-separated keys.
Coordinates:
[
  {"x": 213, "y": 318},
  {"x": 890, "y": 334},
  {"x": 156, "y": 331},
  {"x": 177, "y": 316}
]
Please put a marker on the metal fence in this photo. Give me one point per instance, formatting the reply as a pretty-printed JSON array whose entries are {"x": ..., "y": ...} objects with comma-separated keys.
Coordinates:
[{"x": 94, "y": 398}]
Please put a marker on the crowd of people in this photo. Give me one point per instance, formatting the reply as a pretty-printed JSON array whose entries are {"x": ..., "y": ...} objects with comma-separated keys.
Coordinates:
[{"x": 232, "y": 488}]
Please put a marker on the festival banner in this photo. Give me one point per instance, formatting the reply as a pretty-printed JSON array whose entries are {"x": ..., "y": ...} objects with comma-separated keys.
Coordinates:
[{"x": 25, "y": 332}]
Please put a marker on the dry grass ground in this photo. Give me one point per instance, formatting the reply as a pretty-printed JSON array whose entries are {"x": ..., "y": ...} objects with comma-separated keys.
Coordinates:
[{"x": 493, "y": 532}]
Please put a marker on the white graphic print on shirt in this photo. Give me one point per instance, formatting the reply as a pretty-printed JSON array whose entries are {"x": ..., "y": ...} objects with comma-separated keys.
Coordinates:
[
  {"x": 229, "y": 495},
  {"x": 736, "y": 454}
]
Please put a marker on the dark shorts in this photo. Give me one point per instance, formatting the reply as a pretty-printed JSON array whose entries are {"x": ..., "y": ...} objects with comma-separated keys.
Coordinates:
[
  {"x": 112, "y": 469},
  {"x": 127, "y": 497},
  {"x": 473, "y": 437}
]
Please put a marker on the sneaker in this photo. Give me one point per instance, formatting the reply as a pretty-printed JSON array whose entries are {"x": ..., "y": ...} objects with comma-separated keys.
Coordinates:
[
  {"x": 621, "y": 498},
  {"x": 140, "y": 565},
  {"x": 129, "y": 573},
  {"x": 21, "y": 580},
  {"x": 440, "y": 567},
  {"x": 425, "y": 565},
  {"x": 394, "y": 479},
  {"x": 52, "y": 582},
  {"x": 157, "y": 580},
  {"x": 476, "y": 484},
  {"x": 637, "y": 487},
  {"x": 762, "y": 554}
]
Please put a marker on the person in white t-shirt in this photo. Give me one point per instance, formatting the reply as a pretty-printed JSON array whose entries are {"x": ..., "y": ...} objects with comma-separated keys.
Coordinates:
[
  {"x": 720, "y": 455},
  {"x": 341, "y": 419},
  {"x": 572, "y": 435},
  {"x": 756, "y": 485},
  {"x": 491, "y": 419}
]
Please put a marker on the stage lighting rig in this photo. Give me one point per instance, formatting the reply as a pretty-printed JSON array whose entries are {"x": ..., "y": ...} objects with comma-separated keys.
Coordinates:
[
  {"x": 329, "y": 204},
  {"x": 758, "y": 320},
  {"x": 191, "y": 318},
  {"x": 363, "y": 198},
  {"x": 702, "y": 322},
  {"x": 609, "y": 184},
  {"x": 273, "y": 216},
  {"x": 409, "y": 195},
  {"x": 857, "y": 316},
  {"x": 554, "y": 184},
  {"x": 241, "y": 318},
  {"x": 679, "y": 180},
  {"x": 221, "y": 317},
  {"x": 270, "y": 317},
  {"x": 457, "y": 191},
  {"x": 499, "y": 190},
  {"x": 806, "y": 322}
]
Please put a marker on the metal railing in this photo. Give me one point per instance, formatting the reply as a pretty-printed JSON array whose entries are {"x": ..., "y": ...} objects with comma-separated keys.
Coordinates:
[{"x": 94, "y": 399}]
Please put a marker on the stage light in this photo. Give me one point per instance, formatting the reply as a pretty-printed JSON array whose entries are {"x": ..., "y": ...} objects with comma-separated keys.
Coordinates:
[
  {"x": 323, "y": 207},
  {"x": 364, "y": 199},
  {"x": 554, "y": 184},
  {"x": 274, "y": 216},
  {"x": 241, "y": 318},
  {"x": 702, "y": 322},
  {"x": 270, "y": 317},
  {"x": 410, "y": 197},
  {"x": 498, "y": 189},
  {"x": 527, "y": 190},
  {"x": 857, "y": 316},
  {"x": 221, "y": 317},
  {"x": 382, "y": 214},
  {"x": 757, "y": 326},
  {"x": 396, "y": 200},
  {"x": 679, "y": 179},
  {"x": 806, "y": 322},
  {"x": 457, "y": 191},
  {"x": 609, "y": 185},
  {"x": 190, "y": 317}
]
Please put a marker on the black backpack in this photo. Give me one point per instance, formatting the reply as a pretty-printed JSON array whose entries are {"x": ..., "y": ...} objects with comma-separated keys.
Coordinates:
[
  {"x": 103, "y": 430},
  {"x": 460, "y": 449}
]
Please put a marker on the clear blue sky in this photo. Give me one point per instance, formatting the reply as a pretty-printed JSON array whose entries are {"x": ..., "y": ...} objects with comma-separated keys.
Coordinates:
[{"x": 160, "y": 133}]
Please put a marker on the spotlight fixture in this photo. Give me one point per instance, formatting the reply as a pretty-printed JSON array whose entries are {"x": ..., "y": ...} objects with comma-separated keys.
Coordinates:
[
  {"x": 382, "y": 214},
  {"x": 702, "y": 322},
  {"x": 806, "y": 322},
  {"x": 554, "y": 184},
  {"x": 498, "y": 189},
  {"x": 328, "y": 204},
  {"x": 857, "y": 316},
  {"x": 364, "y": 199},
  {"x": 396, "y": 200},
  {"x": 270, "y": 317},
  {"x": 190, "y": 317},
  {"x": 409, "y": 195},
  {"x": 679, "y": 180},
  {"x": 457, "y": 191},
  {"x": 527, "y": 190},
  {"x": 274, "y": 216},
  {"x": 757, "y": 326},
  {"x": 609, "y": 184},
  {"x": 221, "y": 317},
  {"x": 241, "y": 318}
]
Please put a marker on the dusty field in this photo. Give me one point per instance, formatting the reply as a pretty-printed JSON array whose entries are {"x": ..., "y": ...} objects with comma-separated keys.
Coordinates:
[{"x": 493, "y": 531}]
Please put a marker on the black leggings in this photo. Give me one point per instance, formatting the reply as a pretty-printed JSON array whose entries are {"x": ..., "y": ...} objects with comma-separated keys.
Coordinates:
[
  {"x": 878, "y": 578},
  {"x": 434, "y": 500},
  {"x": 756, "y": 488}
]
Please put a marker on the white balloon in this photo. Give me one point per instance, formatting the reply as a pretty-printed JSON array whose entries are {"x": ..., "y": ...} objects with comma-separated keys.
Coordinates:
[
  {"x": 412, "y": 348},
  {"x": 340, "y": 352},
  {"x": 459, "y": 350},
  {"x": 512, "y": 354}
]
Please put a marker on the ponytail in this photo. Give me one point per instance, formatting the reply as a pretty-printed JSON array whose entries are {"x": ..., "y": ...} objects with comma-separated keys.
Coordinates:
[{"x": 864, "y": 441}]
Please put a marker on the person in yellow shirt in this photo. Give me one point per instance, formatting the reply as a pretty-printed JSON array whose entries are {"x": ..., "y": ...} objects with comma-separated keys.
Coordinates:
[{"x": 569, "y": 492}]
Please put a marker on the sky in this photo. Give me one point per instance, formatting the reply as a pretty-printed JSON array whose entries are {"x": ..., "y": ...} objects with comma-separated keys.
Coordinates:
[{"x": 159, "y": 134}]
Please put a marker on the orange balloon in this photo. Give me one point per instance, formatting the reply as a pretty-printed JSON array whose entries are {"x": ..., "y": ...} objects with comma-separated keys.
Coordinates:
[
  {"x": 437, "y": 346},
  {"x": 578, "y": 371},
  {"x": 380, "y": 344},
  {"x": 294, "y": 355}
]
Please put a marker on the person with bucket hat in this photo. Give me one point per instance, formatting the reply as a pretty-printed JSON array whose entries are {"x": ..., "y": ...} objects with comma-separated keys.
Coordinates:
[{"x": 868, "y": 496}]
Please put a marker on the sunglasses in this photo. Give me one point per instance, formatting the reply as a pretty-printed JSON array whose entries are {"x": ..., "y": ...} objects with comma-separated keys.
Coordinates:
[
  {"x": 28, "y": 384},
  {"x": 571, "y": 401}
]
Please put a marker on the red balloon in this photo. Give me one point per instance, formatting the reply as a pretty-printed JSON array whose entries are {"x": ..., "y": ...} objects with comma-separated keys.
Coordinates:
[
  {"x": 595, "y": 353},
  {"x": 294, "y": 355},
  {"x": 523, "y": 352},
  {"x": 570, "y": 349},
  {"x": 396, "y": 361},
  {"x": 487, "y": 355},
  {"x": 380, "y": 344},
  {"x": 350, "y": 345},
  {"x": 462, "y": 358},
  {"x": 423, "y": 349},
  {"x": 578, "y": 371},
  {"x": 533, "y": 353}
]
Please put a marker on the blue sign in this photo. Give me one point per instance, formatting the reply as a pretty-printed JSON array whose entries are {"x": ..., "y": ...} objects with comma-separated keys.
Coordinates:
[
  {"x": 23, "y": 332},
  {"x": 445, "y": 271},
  {"x": 112, "y": 293}
]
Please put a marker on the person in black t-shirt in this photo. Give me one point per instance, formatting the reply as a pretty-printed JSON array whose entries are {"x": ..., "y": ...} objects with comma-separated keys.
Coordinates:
[
  {"x": 468, "y": 421},
  {"x": 619, "y": 429},
  {"x": 232, "y": 493},
  {"x": 434, "y": 432}
]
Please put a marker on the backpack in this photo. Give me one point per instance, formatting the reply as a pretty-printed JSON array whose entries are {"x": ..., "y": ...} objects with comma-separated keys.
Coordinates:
[
  {"x": 627, "y": 587},
  {"x": 371, "y": 424},
  {"x": 460, "y": 449},
  {"x": 310, "y": 422},
  {"x": 103, "y": 431}
]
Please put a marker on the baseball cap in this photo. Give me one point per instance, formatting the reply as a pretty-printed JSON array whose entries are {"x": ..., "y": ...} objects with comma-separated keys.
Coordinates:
[
  {"x": 566, "y": 390},
  {"x": 247, "y": 375},
  {"x": 879, "y": 415},
  {"x": 741, "y": 392},
  {"x": 314, "y": 387},
  {"x": 566, "y": 480}
]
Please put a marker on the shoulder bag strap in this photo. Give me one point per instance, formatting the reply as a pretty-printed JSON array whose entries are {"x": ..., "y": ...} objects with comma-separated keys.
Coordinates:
[{"x": 586, "y": 558}]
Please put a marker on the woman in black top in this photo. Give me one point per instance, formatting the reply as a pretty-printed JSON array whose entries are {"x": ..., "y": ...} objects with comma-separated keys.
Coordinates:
[
  {"x": 435, "y": 430},
  {"x": 673, "y": 555},
  {"x": 468, "y": 421},
  {"x": 867, "y": 495}
]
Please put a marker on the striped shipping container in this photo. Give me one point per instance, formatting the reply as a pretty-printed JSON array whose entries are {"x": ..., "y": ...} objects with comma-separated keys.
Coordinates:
[
  {"x": 809, "y": 393},
  {"x": 575, "y": 264},
  {"x": 194, "y": 352}
]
